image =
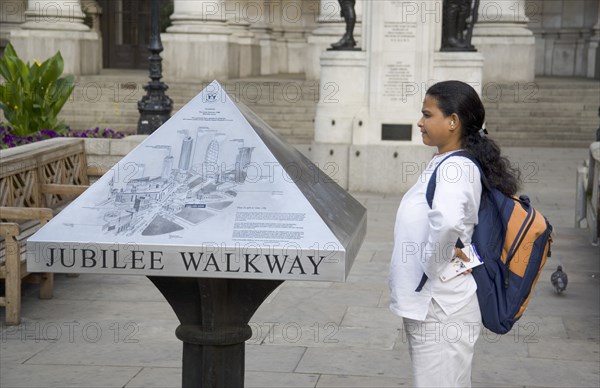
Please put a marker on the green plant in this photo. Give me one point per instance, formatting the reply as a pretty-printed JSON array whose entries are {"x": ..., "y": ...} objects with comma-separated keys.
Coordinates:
[
  {"x": 166, "y": 10},
  {"x": 32, "y": 95}
]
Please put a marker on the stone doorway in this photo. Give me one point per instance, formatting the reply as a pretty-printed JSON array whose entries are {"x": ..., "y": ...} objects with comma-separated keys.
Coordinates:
[{"x": 125, "y": 28}]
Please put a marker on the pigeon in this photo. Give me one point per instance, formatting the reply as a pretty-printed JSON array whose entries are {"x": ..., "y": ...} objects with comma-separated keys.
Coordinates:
[{"x": 559, "y": 280}]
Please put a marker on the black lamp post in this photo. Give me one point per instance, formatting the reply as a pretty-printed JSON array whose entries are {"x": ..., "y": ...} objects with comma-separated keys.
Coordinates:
[{"x": 155, "y": 107}]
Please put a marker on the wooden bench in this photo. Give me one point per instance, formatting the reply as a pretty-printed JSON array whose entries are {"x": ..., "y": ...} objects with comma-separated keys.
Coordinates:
[{"x": 36, "y": 181}]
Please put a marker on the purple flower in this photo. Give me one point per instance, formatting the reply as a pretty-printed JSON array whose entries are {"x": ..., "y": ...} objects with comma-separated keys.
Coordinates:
[{"x": 9, "y": 140}]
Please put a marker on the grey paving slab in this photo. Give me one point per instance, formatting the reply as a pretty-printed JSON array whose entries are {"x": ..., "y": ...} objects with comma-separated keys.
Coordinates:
[
  {"x": 533, "y": 327},
  {"x": 365, "y": 255},
  {"x": 156, "y": 378},
  {"x": 366, "y": 362},
  {"x": 46, "y": 376},
  {"x": 535, "y": 372},
  {"x": 501, "y": 345},
  {"x": 332, "y": 336},
  {"x": 154, "y": 353},
  {"x": 579, "y": 298},
  {"x": 382, "y": 255},
  {"x": 385, "y": 300},
  {"x": 64, "y": 310},
  {"x": 16, "y": 350},
  {"x": 313, "y": 305},
  {"x": 278, "y": 380},
  {"x": 371, "y": 317},
  {"x": 565, "y": 349},
  {"x": 582, "y": 327},
  {"x": 349, "y": 381},
  {"x": 93, "y": 331},
  {"x": 305, "y": 284},
  {"x": 130, "y": 288},
  {"x": 367, "y": 275},
  {"x": 273, "y": 358}
]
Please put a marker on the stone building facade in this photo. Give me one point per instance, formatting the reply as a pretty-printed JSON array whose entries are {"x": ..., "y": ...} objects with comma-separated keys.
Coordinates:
[{"x": 221, "y": 39}]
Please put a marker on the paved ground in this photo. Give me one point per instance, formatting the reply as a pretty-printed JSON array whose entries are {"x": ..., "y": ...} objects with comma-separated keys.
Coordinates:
[{"x": 119, "y": 332}]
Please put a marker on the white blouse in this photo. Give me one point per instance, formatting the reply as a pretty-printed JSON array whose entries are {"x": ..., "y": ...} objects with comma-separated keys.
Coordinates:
[{"x": 424, "y": 238}]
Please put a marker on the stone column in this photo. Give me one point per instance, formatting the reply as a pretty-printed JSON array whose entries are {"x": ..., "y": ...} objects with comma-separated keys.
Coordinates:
[
  {"x": 54, "y": 15},
  {"x": 508, "y": 46},
  {"x": 280, "y": 55},
  {"x": 12, "y": 15},
  {"x": 330, "y": 28},
  {"x": 244, "y": 49},
  {"x": 196, "y": 46},
  {"x": 593, "y": 54},
  {"x": 53, "y": 26},
  {"x": 297, "y": 18},
  {"x": 259, "y": 15}
]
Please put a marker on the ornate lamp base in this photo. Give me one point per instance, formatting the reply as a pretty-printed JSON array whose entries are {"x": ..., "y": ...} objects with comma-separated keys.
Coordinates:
[{"x": 214, "y": 316}]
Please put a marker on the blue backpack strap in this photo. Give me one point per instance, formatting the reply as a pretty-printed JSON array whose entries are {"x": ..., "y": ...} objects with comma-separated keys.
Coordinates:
[{"x": 422, "y": 282}]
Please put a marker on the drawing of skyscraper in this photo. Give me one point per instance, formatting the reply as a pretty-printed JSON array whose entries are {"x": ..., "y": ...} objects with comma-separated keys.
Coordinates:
[
  {"x": 167, "y": 167},
  {"x": 185, "y": 157},
  {"x": 212, "y": 152},
  {"x": 243, "y": 157},
  {"x": 242, "y": 160}
]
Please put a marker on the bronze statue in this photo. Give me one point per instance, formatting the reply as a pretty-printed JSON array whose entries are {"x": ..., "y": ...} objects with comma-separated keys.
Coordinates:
[
  {"x": 347, "y": 12},
  {"x": 457, "y": 24}
]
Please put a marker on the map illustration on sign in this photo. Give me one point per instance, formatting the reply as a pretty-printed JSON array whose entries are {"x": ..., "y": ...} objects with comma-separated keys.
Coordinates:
[
  {"x": 185, "y": 193},
  {"x": 213, "y": 192}
]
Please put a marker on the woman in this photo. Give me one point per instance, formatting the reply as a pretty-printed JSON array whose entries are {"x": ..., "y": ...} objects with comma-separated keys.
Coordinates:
[{"x": 442, "y": 321}]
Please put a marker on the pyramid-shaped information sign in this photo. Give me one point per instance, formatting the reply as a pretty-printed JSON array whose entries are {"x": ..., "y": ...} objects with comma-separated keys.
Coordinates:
[{"x": 214, "y": 192}]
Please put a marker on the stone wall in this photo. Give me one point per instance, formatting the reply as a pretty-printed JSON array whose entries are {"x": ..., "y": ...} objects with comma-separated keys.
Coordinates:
[{"x": 105, "y": 153}]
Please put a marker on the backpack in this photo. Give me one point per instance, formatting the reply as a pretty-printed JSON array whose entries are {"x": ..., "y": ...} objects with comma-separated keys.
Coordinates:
[{"x": 513, "y": 240}]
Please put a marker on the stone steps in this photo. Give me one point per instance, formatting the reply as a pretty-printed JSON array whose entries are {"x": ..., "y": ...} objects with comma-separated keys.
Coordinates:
[
  {"x": 288, "y": 104},
  {"x": 529, "y": 124},
  {"x": 551, "y": 112}
]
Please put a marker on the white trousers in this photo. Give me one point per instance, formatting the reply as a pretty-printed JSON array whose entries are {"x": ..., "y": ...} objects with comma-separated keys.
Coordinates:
[{"x": 441, "y": 347}]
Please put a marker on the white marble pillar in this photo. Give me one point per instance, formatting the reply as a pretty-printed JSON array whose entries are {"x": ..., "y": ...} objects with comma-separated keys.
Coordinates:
[
  {"x": 53, "y": 26},
  {"x": 508, "y": 46},
  {"x": 196, "y": 45},
  {"x": 297, "y": 21},
  {"x": 54, "y": 15},
  {"x": 12, "y": 15},
  {"x": 244, "y": 48},
  {"x": 259, "y": 14},
  {"x": 566, "y": 36},
  {"x": 593, "y": 54},
  {"x": 280, "y": 55},
  {"x": 330, "y": 28},
  {"x": 198, "y": 16}
]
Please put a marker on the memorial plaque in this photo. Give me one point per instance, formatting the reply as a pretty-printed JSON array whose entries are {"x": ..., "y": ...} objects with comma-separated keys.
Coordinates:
[
  {"x": 400, "y": 45},
  {"x": 214, "y": 192},
  {"x": 399, "y": 32}
]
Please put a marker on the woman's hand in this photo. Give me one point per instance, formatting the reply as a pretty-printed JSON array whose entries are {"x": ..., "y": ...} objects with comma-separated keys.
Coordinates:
[{"x": 461, "y": 255}]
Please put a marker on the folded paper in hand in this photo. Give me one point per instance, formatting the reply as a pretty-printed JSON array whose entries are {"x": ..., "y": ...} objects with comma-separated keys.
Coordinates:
[{"x": 456, "y": 266}]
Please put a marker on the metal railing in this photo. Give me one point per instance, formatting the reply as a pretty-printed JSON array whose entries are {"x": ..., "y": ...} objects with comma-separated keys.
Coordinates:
[{"x": 587, "y": 206}]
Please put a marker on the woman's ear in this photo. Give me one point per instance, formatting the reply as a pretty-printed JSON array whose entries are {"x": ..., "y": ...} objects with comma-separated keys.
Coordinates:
[{"x": 454, "y": 121}]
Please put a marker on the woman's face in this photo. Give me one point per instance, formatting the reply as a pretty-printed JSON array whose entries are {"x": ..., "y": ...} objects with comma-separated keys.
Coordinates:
[{"x": 437, "y": 130}]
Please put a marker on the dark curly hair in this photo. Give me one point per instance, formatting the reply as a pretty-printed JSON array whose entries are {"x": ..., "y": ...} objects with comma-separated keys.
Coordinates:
[{"x": 460, "y": 98}]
